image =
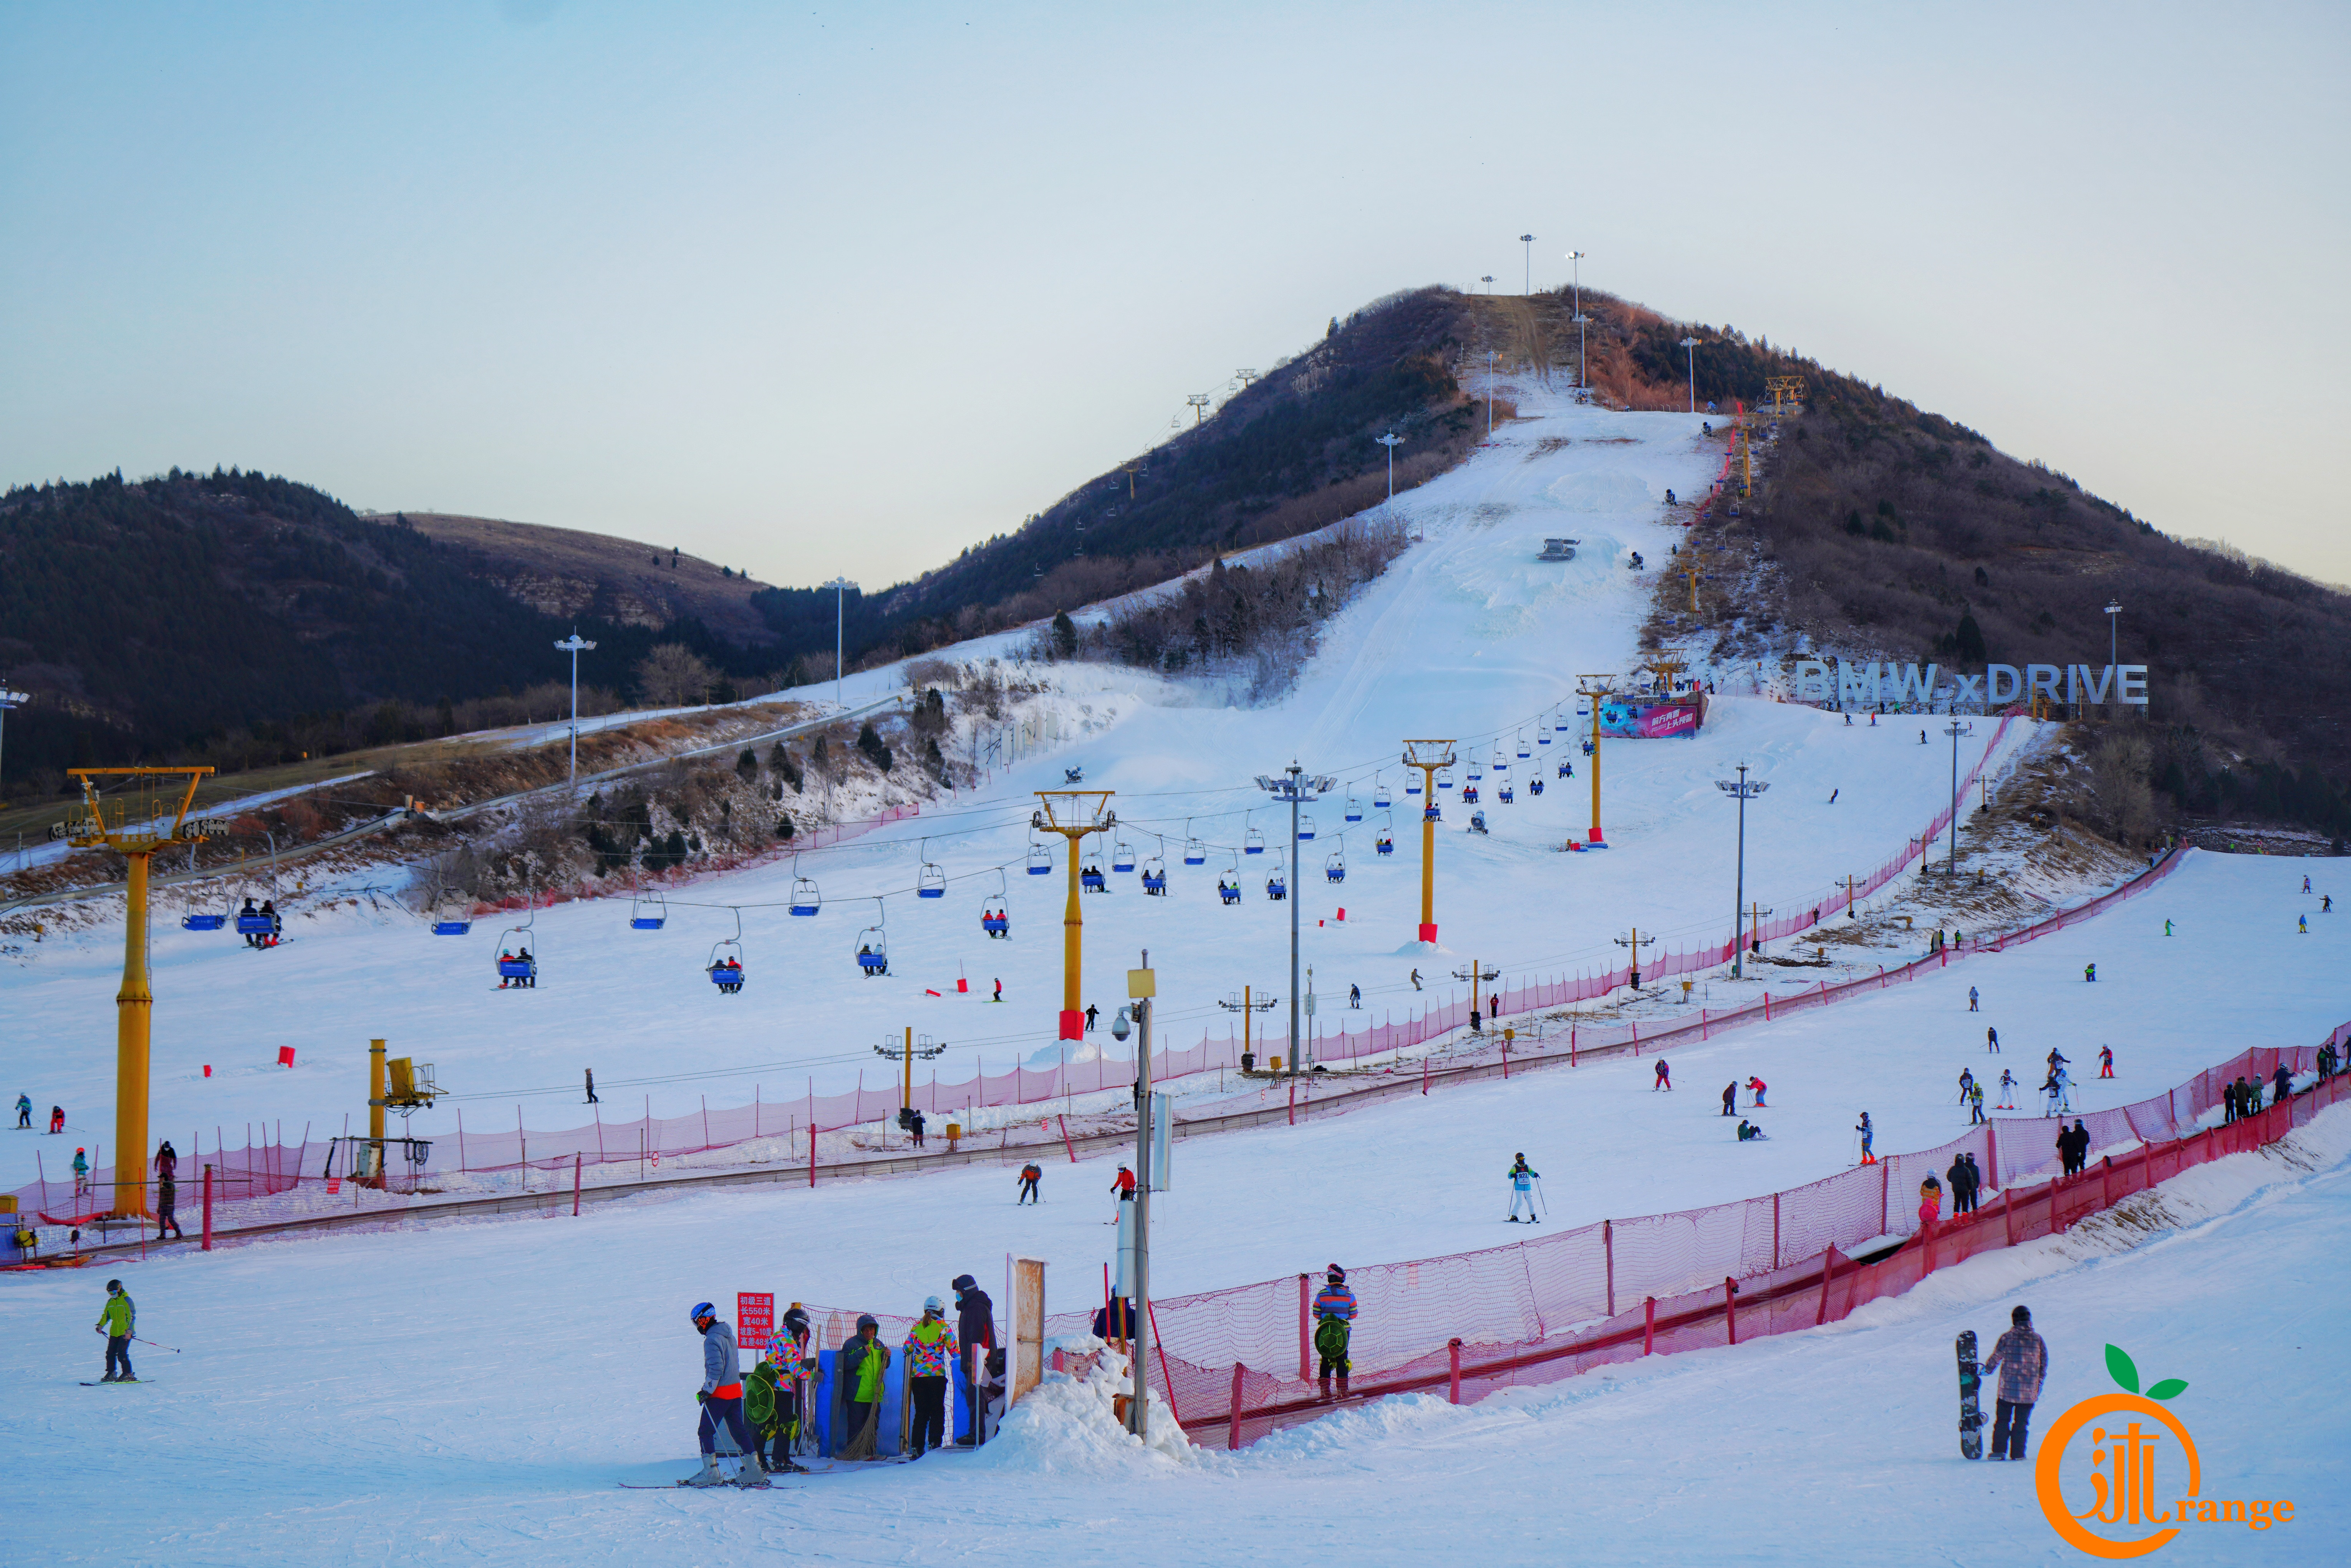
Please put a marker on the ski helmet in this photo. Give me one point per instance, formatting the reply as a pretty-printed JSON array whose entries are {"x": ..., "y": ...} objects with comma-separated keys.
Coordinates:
[
  {"x": 933, "y": 1305},
  {"x": 114, "y": 1287},
  {"x": 2021, "y": 1316},
  {"x": 963, "y": 1282},
  {"x": 1336, "y": 1273},
  {"x": 796, "y": 1320},
  {"x": 702, "y": 1310}
]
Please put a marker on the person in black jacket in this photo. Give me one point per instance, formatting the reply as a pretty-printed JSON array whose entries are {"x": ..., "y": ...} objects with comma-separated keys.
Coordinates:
[{"x": 975, "y": 1335}]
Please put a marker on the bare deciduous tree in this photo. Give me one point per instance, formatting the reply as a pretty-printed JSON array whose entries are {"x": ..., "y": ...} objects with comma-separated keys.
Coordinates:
[{"x": 673, "y": 675}]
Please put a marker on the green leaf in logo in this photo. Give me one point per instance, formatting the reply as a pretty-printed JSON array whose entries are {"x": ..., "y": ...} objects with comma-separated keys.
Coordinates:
[
  {"x": 2170, "y": 1387},
  {"x": 2119, "y": 1367}
]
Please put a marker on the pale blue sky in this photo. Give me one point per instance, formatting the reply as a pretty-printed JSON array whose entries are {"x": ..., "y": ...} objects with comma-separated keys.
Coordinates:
[{"x": 811, "y": 291}]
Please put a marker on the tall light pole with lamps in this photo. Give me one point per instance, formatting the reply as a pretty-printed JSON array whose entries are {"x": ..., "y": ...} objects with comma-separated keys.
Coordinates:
[
  {"x": 575, "y": 645},
  {"x": 1745, "y": 790},
  {"x": 2113, "y": 619},
  {"x": 1575, "y": 259},
  {"x": 842, "y": 588},
  {"x": 1390, "y": 441},
  {"x": 1296, "y": 785},
  {"x": 1956, "y": 730},
  {"x": 1528, "y": 241},
  {"x": 1689, "y": 350}
]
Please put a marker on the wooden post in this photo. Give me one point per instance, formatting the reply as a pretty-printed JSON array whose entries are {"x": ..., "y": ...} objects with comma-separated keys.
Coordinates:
[
  {"x": 1648, "y": 1324},
  {"x": 1453, "y": 1379},
  {"x": 1026, "y": 1313}
]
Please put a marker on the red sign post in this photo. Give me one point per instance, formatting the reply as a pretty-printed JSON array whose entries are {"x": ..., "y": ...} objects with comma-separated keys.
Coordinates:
[{"x": 755, "y": 1319}]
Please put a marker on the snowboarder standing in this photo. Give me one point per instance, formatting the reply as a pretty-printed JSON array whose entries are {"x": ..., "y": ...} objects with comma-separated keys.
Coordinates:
[
  {"x": 1523, "y": 1177},
  {"x": 2022, "y": 1358},
  {"x": 118, "y": 1321},
  {"x": 1334, "y": 1318},
  {"x": 721, "y": 1398}
]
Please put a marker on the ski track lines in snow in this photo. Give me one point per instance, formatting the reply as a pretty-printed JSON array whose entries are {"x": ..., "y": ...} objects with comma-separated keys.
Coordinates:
[
  {"x": 473, "y": 1393},
  {"x": 1465, "y": 634}
]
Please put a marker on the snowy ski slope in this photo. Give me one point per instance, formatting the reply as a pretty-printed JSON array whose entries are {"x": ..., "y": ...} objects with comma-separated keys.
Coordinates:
[{"x": 1468, "y": 635}]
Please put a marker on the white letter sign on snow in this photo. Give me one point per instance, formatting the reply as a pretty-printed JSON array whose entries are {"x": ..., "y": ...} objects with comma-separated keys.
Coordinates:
[
  {"x": 1856, "y": 685},
  {"x": 1811, "y": 681},
  {"x": 1909, "y": 687}
]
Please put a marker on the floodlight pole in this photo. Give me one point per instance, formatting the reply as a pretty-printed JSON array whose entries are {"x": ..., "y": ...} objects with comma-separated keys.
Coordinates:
[
  {"x": 1689, "y": 350},
  {"x": 1745, "y": 790},
  {"x": 2113, "y": 619},
  {"x": 1575, "y": 259},
  {"x": 1141, "y": 986},
  {"x": 9, "y": 699},
  {"x": 574, "y": 645},
  {"x": 1528, "y": 241},
  {"x": 1391, "y": 441},
  {"x": 1295, "y": 785},
  {"x": 841, "y": 586},
  {"x": 1955, "y": 730}
]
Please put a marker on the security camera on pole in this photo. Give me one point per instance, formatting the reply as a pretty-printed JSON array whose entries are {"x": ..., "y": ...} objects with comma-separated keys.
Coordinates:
[{"x": 1296, "y": 785}]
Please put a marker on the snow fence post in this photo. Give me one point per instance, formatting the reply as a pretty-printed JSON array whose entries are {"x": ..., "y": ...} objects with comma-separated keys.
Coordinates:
[
  {"x": 208, "y": 1209},
  {"x": 1730, "y": 1307},
  {"x": 1991, "y": 1153},
  {"x": 1608, "y": 1251},
  {"x": 1648, "y": 1324},
  {"x": 1775, "y": 1231},
  {"x": 1066, "y": 1147},
  {"x": 1828, "y": 1272},
  {"x": 1453, "y": 1379},
  {"x": 1233, "y": 1418},
  {"x": 575, "y": 1184},
  {"x": 811, "y": 1153},
  {"x": 1305, "y": 1337}
]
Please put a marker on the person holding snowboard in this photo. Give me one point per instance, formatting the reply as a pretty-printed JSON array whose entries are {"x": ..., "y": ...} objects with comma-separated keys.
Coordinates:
[
  {"x": 1030, "y": 1174},
  {"x": 930, "y": 1349},
  {"x": 2022, "y": 1358},
  {"x": 1522, "y": 1189},
  {"x": 721, "y": 1398},
  {"x": 1334, "y": 1317},
  {"x": 118, "y": 1320}
]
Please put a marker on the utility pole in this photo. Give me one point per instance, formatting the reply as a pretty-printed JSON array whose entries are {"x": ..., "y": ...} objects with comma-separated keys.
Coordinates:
[
  {"x": 9, "y": 699},
  {"x": 1636, "y": 941},
  {"x": 1490, "y": 397},
  {"x": 906, "y": 1054},
  {"x": 1756, "y": 912},
  {"x": 1528, "y": 241},
  {"x": 1245, "y": 1004},
  {"x": 1428, "y": 756},
  {"x": 1745, "y": 789},
  {"x": 1390, "y": 441},
  {"x": 1141, "y": 986},
  {"x": 1295, "y": 785},
  {"x": 2114, "y": 619},
  {"x": 575, "y": 645},
  {"x": 842, "y": 588},
  {"x": 1575, "y": 258}
]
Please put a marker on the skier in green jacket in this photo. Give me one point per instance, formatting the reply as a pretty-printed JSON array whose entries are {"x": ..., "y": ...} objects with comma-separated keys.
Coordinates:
[{"x": 117, "y": 1320}]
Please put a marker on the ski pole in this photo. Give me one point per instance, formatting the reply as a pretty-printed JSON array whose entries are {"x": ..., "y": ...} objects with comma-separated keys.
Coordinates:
[{"x": 150, "y": 1342}]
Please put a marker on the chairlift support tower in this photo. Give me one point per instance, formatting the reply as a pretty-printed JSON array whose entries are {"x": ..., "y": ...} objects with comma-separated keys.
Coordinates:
[
  {"x": 1428, "y": 756},
  {"x": 1594, "y": 690},
  {"x": 135, "y": 831},
  {"x": 1074, "y": 815}
]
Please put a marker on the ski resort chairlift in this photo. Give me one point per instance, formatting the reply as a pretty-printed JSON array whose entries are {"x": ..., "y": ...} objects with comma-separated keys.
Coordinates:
[
  {"x": 1335, "y": 867},
  {"x": 805, "y": 900},
  {"x": 725, "y": 966},
  {"x": 1523, "y": 752},
  {"x": 1355, "y": 810},
  {"x": 648, "y": 911},
  {"x": 1277, "y": 886},
  {"x": 1412, "y": 783},
  {"x": 1385, "y": 843},
  {"x": 1501, "y": 759},
  {"x": 1509, "y": 796},
  {"x": 1380, "y": 800},
  {"x": 1194, "y": 852},
  {"x": 1154, "y": 877},
  {"x": 1040, "y": 859},
  {"x": 450, "y": 918},
  {"x": 1228, "y": 884},
  {"x": 931, "y": 881},
  {"x": 993, "y": 919},
  {"x": 1432, "y": 812},
  {"x": 1093, "y": 880},
  {"x": 1566, "y": 768},
  {"x": 1468, "y": 794},
  {"x": 874, "y": 945},
  {"x": 1252, "y": 841},
  {"x": 1122, "y": 859},
  {"x": 196, "y": 919},
  {"x": 1534, "y": 785},
  {"x": 1542, "y": 732},
  {"x": 1476, "y": 772},
  {"x": 1305, "y": 826},
  {"x": 518, "y": 964}
]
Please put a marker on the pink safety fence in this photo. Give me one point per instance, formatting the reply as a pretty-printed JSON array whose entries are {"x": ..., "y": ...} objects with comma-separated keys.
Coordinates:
[{"x": 1543, "y": 1310}]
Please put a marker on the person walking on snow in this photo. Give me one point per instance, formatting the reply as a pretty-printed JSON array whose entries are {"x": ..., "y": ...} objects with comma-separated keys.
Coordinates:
[
  {"x": 1415, "y": 980},
  {"x": 1354, "y": 996},
  {"x": 1030, "y": 1174},
  {"x": 2302, "y": 924},
  {"x": 2167, "y": 928},
  {"x": 1334, "y": 1320},
  {"x": 167, "y": 1192},
  {"x": 1730, "y": 1097},
  {"x": 1992, "y": 1041},
  {"x": 1091, "y": 1016},
  {"x": 1664, "y": 1077},
  {"x": 930, "y": 1350},
  {"x": 118, "y": 1321},
  {"x": 1523, "y": 1177},
  {"x": 2284, "y": 1080},
  {"x": 1755, "y": 1086},
  {"x": 976, "y": 1332},
  {"x": 721, "y": 1398},
  {"x": 2305, "y": 885},
  {"x": 591, "y": 1098},
  {"x": 2105, "y": 1062},
  {"x": 2021, "y": 1358},
  {"x": 1972, "y": 999}
]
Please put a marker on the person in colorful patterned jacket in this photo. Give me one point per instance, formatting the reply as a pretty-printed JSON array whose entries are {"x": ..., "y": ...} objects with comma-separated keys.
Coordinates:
[
  {"x": 1334, "y": 1318},
  {"x": 2022, "y": 1358},
  {"x": 931, "y": 1350}
]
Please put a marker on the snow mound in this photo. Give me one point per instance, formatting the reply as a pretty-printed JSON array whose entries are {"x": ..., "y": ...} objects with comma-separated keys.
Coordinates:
[{"x": 1068, "y": 1426}]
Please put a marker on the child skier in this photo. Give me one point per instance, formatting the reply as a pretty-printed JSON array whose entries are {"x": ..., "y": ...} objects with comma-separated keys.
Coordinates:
[
  {"x": 1523, "y": 1177},
  {"x": 118, "y": 1321},
  {"x": 2105, "y": 1062},
  {"x": 1867, "y": 1134},
  {"x": 1975, "y": 1104},
  {"x": 1334, "y": 1317},
  {"x": 1664, "y": 1077}
]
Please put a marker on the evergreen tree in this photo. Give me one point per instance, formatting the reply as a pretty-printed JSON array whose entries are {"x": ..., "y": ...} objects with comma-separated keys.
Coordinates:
[
  {"x": 1971, "y": 639},
  {"x": 1065, "y": 636}
]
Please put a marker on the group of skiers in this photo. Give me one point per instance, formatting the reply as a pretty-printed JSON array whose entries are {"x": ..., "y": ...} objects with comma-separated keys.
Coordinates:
[
  {"x": 2074, "y": 1147},
  {"x": 767, "y": 1411},
  {"x": 24, "y": 1116}
]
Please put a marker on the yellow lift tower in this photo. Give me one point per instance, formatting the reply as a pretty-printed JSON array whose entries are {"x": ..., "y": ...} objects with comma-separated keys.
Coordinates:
[
  {"x": 1073, "y": 813},
  {"x": 1594, "y": 690},
  {"x": 132, "y": 822},
  {"x": 1787, "y": 394},
  {"x": 1428, "y": 756}
]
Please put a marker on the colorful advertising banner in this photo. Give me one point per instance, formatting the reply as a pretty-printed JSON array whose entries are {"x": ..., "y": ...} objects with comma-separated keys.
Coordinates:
[{"x": 1639, "y": 718}]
